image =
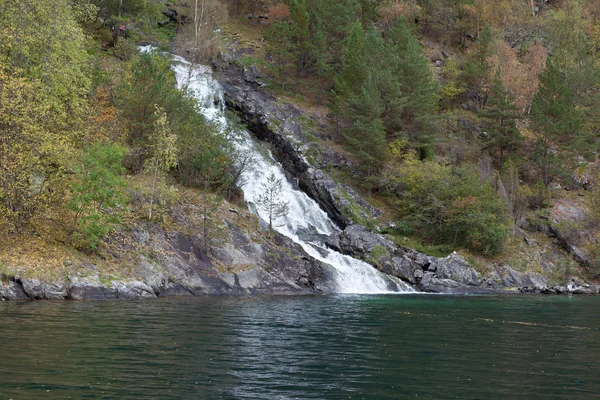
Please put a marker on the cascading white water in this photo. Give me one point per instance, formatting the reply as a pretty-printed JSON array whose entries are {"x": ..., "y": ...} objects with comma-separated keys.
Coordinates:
[{"x": 306, "y": 223}]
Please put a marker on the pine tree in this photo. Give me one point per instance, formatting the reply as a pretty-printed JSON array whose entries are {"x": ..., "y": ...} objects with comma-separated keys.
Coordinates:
[
  {"x": 301, "y": 26},
  {"x": 416, "y": 82},
  {"x": 366, "y": 138},
  {"x": 336, "y": 19},
  {"x": 320, "y": 51},
  {"x": 279, "y": 38},
  {"x": 348, "y": 81},
  {"x": 476, "y": 69},
  {"x": 368, "y": 12},
  {"x": 270, "y": 200},
  {"x": 500, "y": 119},
  {"x": 556, "y": 120},
  {"x": 97, "y": 185},
  {"x": 352, "y": 73},
  {"x": 380, "y": 67}
]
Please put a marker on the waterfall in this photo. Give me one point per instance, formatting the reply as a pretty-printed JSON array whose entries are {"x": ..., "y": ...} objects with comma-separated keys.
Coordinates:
[{"x": 306, "y": 223}]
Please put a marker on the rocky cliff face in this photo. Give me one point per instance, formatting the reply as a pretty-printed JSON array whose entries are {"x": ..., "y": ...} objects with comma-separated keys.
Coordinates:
[
  {"x": 173, "y": 264},
  {"x": 279, "y": 125}
]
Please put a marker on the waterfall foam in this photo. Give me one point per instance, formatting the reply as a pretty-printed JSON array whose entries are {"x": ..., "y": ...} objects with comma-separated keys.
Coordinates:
[{"x": 306, "y": 223}]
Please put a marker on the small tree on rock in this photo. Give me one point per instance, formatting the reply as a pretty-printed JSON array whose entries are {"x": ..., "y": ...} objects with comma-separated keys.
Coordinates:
[
  {"x": 164, "y": 153},
  {"x": 270, "y": 200}
]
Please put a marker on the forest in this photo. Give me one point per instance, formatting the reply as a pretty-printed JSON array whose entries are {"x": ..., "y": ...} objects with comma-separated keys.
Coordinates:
[{"x": 458, "y": 118}]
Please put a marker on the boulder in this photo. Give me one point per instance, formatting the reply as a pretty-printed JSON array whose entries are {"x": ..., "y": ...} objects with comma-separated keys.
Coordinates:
[
  {"x": 357, "y": 240},
  {"x": 512, "y": 278},
  {"x": 89, "y": 288},
  {"x": 37, "y": 290},
  {"x": 456, "y": 268},
  {"x": 11, "y": 289}
]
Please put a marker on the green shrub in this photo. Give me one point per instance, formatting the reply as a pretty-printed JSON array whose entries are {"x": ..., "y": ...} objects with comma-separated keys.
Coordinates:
[
  {"x": 448, "y": 205},
  {"x": 97, "y": 188}
]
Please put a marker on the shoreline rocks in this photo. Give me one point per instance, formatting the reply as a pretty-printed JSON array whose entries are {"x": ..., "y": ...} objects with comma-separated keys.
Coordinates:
[{"x": 237, "y": 266}]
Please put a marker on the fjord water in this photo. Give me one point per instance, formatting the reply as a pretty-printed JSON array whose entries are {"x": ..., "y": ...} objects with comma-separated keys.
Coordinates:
[
  {"x": 306, "y": 223},
  {"x": 314, "y": 347}
]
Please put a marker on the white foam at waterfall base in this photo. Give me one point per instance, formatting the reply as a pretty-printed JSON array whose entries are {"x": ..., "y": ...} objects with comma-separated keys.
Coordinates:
[{"x": 305, "y": 217}]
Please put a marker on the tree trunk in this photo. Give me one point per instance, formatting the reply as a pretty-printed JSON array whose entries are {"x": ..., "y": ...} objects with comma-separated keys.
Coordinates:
[{"x": 153, "y": 188}]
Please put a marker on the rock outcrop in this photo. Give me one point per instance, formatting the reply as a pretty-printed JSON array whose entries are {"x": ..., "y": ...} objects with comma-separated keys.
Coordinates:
[
  {"x": 179, "y": 266},
  {"x": 452, "y": 274},
  {"x": 279, "y": 125}
]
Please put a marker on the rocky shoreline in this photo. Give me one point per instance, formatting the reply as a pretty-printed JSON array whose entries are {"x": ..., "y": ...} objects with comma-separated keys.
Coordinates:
[{"x": 179, "y": 267}]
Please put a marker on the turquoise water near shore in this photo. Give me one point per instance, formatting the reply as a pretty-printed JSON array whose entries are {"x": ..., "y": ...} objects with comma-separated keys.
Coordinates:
[{"x": 318, "y": 347}]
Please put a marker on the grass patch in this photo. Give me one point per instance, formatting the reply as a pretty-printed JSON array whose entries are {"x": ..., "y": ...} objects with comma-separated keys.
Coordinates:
[
  {"x": 413, "y": 242},
  {"x": 356, "y": 213}
]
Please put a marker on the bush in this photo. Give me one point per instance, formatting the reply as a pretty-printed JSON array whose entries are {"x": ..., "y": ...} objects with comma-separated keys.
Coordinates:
[
  {"x": 205, "y": 155},
  {"x": 448, "y": 205},
  {"x": 98, "y": 186}
]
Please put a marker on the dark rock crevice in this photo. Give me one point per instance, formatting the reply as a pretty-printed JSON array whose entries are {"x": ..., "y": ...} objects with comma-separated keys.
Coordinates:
[{"x": 279, "y": 125}]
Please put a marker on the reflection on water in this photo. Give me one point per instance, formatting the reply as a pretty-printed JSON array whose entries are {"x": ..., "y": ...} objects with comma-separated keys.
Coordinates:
[{"x": 360, "y": 347}]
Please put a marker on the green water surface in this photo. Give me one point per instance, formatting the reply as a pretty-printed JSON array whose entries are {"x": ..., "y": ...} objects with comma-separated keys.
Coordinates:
[{"x": 335, "y": 347}]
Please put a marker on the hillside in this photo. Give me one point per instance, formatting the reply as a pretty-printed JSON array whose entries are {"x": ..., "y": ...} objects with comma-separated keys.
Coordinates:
[
  {"x": 467, "y": 123},
  {"x": 468, "y": 126}
]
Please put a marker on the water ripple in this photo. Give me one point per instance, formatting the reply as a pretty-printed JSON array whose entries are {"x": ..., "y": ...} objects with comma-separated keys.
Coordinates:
[{"x": 339, "y": 347}]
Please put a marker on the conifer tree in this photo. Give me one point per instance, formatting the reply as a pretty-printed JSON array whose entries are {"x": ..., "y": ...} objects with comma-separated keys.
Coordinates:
[
  {"x": 279, "y": 38},
  {"x": 97, "y": 185},
  {"x": 416, "y": 82},
  {"x": 320, "y": 51},
  {"x": 368, "y": 12},
  {"x": 336, "y": 19},
  {"x": 366, "y": 138},
  {"x": 348, "y": 81},
  {"x": 476, "y": 68},
  {"x": 500, "y": 119},
  {"x": 556, "y": 120},
  {"x": 301, "y": 25},
  {"x": 379, "y": 65},
  {"x": 270, "y": 200}
]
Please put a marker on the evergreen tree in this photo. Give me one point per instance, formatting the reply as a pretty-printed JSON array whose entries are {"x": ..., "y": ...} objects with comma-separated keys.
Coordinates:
[
  {"x": 279, "y": 38},
  {"x": 301, "y": 26},
  {"x": 416, "y": 82},
  {"x": 347, "y": 83},
  {"x": 320, "y": 51},
  {"x": 500, "y": 119},
  {"x": 137, "y": 97},
  {"x": 556, "y": 120},
  {"x": 476, "y": 71},
  {"x": 380, "y": 66},
  {"x": 270, "y": 200},
  {"x": 336, "y": 20},
  {"x": 368, "y": 12},
  {"x": 352, "y": 73},
  {"x": 366, "y": 138},
  {"x": 97, "y": 185}
]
